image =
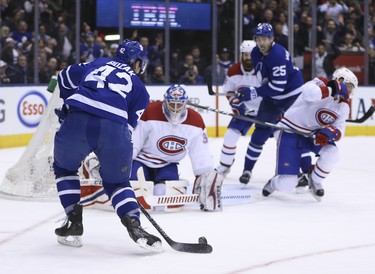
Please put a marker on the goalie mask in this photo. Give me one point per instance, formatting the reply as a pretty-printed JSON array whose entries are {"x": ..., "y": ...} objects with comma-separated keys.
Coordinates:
[{"x": 174, "y": 104}]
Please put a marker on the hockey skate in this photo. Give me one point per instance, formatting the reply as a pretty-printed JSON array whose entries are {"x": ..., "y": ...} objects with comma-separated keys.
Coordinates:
[
  {"x": 268, "y": 189},
  {"x": 316, "y": 189},
  {"x": 140, "y": 236},
  {"x": 303, "y": 182},
  {"x": 245, "y": 177},
  {"x": 71, "y": 231},
  {"x": 223, "y": 170}
]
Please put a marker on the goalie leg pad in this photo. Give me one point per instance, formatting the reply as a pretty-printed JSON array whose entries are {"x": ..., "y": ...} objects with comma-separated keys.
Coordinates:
[
  {"x": 175, "y": 187},
  {"x": 208, "y": 187}
]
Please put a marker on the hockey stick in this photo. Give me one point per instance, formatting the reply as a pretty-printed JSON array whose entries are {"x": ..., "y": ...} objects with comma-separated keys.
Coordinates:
[
  {"x": 367, "y": 115},
  {"x": 209, "y": 87},
  {"x": 201, "y": 247},
  {"x": 246, "y": 118},
  {"x": 193, "y": 199}
]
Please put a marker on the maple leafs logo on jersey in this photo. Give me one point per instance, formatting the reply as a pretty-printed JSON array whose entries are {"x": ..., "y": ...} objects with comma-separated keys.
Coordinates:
[
  {"x": 171, "y": 145},
  {"x": 325, "y": 117}
]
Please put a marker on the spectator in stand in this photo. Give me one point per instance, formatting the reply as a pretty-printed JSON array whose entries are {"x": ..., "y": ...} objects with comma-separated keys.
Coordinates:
[
  {"x": 306, "y": 31},
  {"x": 89, "y": 49},
  {"x": 299, "y": 48},
  {"x": 248, "y": 23},
  {"x": 156, "y": 52},
  {"x": 324, "y": 61},
  {"x": 189, "y": 72},
  {"x": 350, "y": 44},
  {"x": 22, "y": 73},
  {"x": 283, "y": 21},
  {"x": 51, "y": 48},
  {"x": 334, "y": 9},
  {"x": 224, "y": 60},
  {"x": 198, "y": 60},
  {"x": 22, "y": 37},
  {"x": 351, "y": 28},
  {"x": 268, "y": 16},
  {"x": 17, "y": 15},
  {"x": 219, "y": 72},
  {"x": 4, "y": 77},
  {"x": 4, "y": 34},
  {"x": 48, "y": 71},
  {"x": 279, "y": 37},
  {"x": 9, "y": 53},
  {"x": 43, "y": 33},
  {"x": 112, "y": 50},
  {"x": 332, "y": 34},
  {"x": 273, "y": 6},
  {"x": 158, "y": 76},
  {"x": 64, "y": 43}
]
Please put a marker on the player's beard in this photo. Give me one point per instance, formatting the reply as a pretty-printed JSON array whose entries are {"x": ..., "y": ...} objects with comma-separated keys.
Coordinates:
[{"x": 247, "y": 65}]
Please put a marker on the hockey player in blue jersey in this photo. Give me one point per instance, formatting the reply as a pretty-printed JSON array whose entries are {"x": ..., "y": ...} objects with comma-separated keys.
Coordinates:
[
  {"x": 280, "y": 86},
  {"x": 103, "y": 101}
]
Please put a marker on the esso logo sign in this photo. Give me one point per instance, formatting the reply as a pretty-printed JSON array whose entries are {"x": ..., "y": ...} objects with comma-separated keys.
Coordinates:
[{"x": 31, "y": 108}]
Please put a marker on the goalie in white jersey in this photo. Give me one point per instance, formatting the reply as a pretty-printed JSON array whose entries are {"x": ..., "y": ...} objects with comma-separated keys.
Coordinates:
[
  {"x": 321, "y": 109},
  {"x": 165, "y": 134}
]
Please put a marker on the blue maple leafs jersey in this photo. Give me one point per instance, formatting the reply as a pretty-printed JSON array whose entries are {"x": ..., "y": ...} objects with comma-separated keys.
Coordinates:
[
  {"x": 105, "y": 87},
  {"x": 279, "y": 78}
]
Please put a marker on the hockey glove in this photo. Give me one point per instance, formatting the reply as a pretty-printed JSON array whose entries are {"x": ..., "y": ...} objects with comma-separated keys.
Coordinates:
[
  {"x": 325, "y": 135},
  {"x": 238, "y": 107},
  {"x": 247, "y": 93},
  {"x": 338, "y": 89},
  {"x": 61, "y": 113}
]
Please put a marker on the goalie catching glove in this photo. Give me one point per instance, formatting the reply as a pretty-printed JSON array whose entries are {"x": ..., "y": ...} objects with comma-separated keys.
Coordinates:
[{"x": 208, "y": 187}]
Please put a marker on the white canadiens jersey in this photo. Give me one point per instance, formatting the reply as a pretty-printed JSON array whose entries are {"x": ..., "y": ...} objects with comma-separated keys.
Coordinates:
[
  {"x": 237, "y": 77},
  {"x": 311, "y": 112},
  {"x": 157, "y": 143}
]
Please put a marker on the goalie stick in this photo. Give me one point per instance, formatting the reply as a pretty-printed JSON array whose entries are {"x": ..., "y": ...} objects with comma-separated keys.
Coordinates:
[
  {"x": 246, "y": 118},
  {"x": 163, "y": 200},
  {"x": 201, "y": 247},
  {"x": 192, "y": 199},
  {"x": 367, "y": 115}
]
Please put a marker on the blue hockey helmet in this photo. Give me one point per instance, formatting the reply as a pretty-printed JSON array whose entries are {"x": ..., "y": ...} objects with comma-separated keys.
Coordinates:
[
  {"x": 174, "y": 104},
  {"x": 130, "y": 51},
  {"x": 264, "y": 29}
]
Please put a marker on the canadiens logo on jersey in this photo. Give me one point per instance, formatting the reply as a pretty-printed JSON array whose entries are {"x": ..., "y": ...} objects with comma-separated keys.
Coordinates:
[
  {"x": 172, "y": 145},
  {"x": 325, "y": 117}
]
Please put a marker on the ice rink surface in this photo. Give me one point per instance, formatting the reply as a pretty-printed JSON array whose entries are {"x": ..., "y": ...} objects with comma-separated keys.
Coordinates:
[{"x": 285, "y": 233}]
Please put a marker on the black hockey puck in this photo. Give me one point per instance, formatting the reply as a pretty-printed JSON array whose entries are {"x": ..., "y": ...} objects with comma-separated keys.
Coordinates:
[{"x": 202, "y": 240}]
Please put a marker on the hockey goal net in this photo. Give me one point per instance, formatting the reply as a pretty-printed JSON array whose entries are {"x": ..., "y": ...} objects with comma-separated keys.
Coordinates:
[{"x": 32, "y": 176}]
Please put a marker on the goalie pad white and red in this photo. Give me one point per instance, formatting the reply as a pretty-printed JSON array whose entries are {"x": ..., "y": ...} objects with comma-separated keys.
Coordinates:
[
  {"x": 93, "y": 195},
  {"x": 208, "y": 187}
]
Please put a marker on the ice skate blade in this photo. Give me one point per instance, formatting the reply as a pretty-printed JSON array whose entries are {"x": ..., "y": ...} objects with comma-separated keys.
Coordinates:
[
  {"x": 302, "y": 189},
  {"x": 72, "y": 241},
  {"x": 156, "y": 247}
]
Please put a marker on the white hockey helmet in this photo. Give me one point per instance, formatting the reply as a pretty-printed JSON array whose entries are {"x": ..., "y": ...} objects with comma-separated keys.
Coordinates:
[
  {"x": 247, "y": 46},
  {"x": 347, "y": 75}
]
